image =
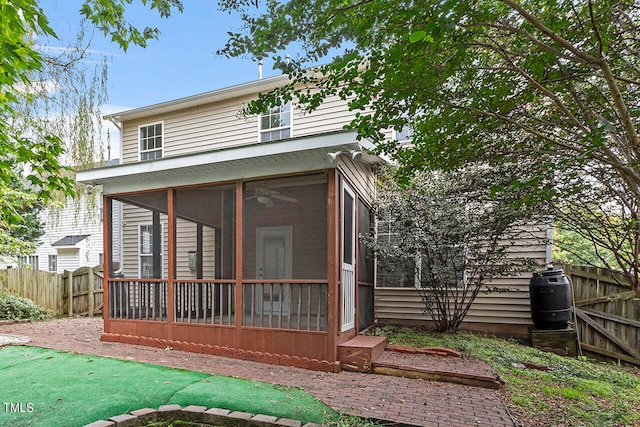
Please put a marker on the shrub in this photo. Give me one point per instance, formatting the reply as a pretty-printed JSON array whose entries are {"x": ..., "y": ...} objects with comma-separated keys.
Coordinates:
[{"x": 17, "y": 308}]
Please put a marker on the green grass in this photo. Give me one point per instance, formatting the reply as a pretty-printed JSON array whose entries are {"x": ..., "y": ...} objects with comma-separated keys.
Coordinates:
[
  {"x": 65, "y": 389},
  {"x": 573, "y": 392}
]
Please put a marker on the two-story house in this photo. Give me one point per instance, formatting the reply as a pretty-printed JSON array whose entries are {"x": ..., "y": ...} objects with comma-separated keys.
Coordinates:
[{"x": 238, "y": 236}]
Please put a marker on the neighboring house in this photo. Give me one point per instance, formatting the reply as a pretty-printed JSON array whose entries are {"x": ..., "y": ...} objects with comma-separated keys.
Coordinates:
[
  {"x": 239, "y": 235},
  {"x": 72, "y": 237}
]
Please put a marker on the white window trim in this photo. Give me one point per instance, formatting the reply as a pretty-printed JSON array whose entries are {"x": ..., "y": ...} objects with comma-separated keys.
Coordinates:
[
  {"x": 140, "y": 151},
  {"x": 290, "y": 127}
]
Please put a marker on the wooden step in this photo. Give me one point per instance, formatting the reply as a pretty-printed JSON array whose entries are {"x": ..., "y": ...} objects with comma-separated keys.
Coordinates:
[{"x": 358, "y": 353}]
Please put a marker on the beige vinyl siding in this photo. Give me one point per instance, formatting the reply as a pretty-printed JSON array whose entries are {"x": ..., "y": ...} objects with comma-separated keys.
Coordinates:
[
  {"x": 222, "y": 125},
  {"x": 132, "y": 218},
  {"x": 206, "y": 128},
  {"x": 186, "y": 232},
  {"x": 505, "y": 308},
  {"x": 359, "y": 176},
  {"x": 331, "y": 116}
]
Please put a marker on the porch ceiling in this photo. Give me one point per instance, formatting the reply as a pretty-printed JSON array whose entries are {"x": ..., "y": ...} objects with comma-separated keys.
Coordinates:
[{"x": 274, "y": 158}]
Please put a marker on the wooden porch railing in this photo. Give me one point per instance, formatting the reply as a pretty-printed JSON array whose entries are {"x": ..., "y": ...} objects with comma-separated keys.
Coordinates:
[
  {"x": 141, "y": 299},
  {"x": 286, "y": 304},
  {"x": 205, "y": 301},
  {"x": 282, "y": 304}
]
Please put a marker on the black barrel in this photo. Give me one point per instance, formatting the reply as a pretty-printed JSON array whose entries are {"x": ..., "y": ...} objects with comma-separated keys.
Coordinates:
[{"x": 550, "y": 294}]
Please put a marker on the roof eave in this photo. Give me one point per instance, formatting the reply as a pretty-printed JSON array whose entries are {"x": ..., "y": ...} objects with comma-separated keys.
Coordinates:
[
  {"x": 244, "y": 89},
  {"x": 244, "y": 162}
]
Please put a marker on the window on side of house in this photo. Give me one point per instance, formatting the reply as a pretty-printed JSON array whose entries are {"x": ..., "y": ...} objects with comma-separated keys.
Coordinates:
[
  {"x": 403, "y": 274},
  {"x": 447, "y": 263},
  {"x": 275, "y": 124},
  {"x": 146, "y": 252},
  {"x": 53, "y": 263},
  {"x": 34, "y": 262},
  {"x": 151, "y": 141}
]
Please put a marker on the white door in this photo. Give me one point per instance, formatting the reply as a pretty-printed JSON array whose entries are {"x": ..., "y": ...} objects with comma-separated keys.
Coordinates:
[
  {"x": 274, "y": 262},
  {"x": 348, "y": 258}
]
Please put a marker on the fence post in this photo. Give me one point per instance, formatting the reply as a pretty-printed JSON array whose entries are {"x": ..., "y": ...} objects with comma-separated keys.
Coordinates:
[
  {"x": 90, "y": 292},
  {"x": 70, "y": 293}
]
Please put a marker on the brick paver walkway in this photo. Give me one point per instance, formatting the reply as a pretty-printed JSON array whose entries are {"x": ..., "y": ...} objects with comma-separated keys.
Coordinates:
[{"x": 401, "y": 400}]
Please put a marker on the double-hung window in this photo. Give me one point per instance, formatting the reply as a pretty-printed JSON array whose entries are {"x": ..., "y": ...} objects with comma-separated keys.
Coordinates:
[
  {"x": 31, "y": 261},
  {"x": 145, "y": 251},
  {"x": 146, "y": 238},
  {"x": 53, "y": 263},
  {"x": 442, "y": 262},
  {"x": 403, "y": 274},
  {"x": 404, "y": 135},
  {"x": 150, "y": 137},
  {"x": 275, "y": 124}
]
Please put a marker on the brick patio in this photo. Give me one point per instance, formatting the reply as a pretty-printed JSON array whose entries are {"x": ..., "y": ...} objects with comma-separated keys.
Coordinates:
[{"x": 403, "y": 401}]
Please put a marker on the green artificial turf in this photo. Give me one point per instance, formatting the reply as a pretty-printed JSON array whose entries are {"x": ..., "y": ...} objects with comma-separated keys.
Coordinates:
[{"x": 42, "y": 387}]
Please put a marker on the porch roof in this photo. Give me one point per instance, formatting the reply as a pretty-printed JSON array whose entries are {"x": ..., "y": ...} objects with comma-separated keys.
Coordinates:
[{"x": 245, "y": 162}]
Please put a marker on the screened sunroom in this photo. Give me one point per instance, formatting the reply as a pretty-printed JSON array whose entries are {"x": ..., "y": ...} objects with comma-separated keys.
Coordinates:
[{"x": 210, "y": 257}]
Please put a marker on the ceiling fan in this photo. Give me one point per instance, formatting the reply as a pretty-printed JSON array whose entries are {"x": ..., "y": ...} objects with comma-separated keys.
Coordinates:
[{"x": 266, "y": 196}]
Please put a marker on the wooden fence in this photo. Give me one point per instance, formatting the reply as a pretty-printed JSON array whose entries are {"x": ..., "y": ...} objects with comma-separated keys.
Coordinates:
[
  {"x": 608, "y": 313},
  {"x": 82, "y": 287}
]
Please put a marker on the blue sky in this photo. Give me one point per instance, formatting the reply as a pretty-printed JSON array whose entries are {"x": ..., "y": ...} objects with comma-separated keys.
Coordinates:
[{"x": 181, "y": 63}]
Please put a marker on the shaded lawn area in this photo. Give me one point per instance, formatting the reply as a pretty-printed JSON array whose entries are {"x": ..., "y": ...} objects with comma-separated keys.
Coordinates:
[{"x": 65, "y": 389}]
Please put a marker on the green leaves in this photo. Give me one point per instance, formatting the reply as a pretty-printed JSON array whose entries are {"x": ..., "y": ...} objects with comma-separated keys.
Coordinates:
[
  {"x": 419, "y": 36},
  {"x": 109, "y": 17}
]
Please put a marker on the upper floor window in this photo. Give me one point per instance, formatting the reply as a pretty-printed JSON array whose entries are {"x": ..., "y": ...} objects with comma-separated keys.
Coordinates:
[
  {"x": 275, "y": 124},
  {"x": 150, "y": 141},
  {"x": 404, "y": 135}
]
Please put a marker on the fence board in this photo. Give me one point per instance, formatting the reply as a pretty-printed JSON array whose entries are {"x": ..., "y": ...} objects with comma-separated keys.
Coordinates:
[
  {"x": 86, "y": 284},
  {"x": 52, "y": 290},
  {"x": 42, "y": 287},
  {"x": 607, "y": 312}
]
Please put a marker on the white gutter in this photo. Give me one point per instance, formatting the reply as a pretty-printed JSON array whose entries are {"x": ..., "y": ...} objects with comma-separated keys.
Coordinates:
[{"x": 292, "y": 155}]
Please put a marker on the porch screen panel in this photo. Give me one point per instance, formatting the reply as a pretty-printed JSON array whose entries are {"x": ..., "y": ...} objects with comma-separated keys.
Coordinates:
[
  {"x": 139, "y": 268},
  {"x": 285, "y": 252},
  {"x": 365, "y": 269},
  {"x": 204, "y": 291}
]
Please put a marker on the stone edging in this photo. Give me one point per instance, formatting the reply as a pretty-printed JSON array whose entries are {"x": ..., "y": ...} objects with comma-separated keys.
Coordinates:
[{"x": 196, "y": 414}]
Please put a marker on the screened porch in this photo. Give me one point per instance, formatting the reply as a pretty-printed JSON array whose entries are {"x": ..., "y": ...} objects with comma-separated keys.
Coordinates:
[{"x": 241, "y": 254}]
